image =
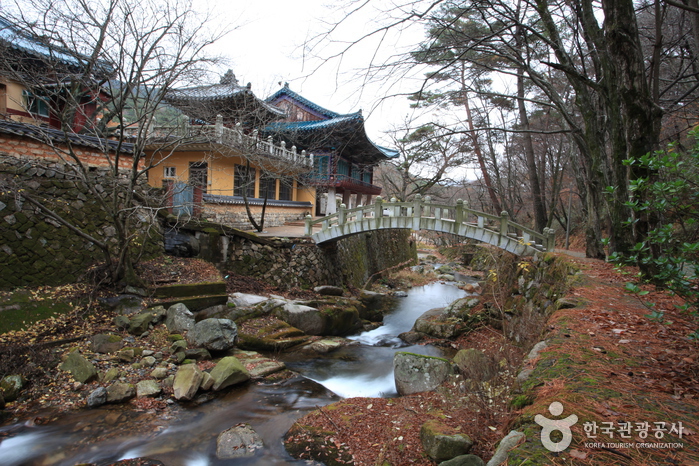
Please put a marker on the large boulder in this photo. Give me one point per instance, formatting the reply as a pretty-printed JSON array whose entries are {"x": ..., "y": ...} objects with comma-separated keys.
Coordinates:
[
  {"x": 415, "y": 373},
  {"x": 80, "y": 368},
  {"x": 240, "y": 441},
  {"x": 11, "y": 386},
  {"x": 187, "y": 382},
  {"x": 332, "y": 319},
  {"x": 442, "y": 442},
  {"x": 229, "y": 371},
  {"x": 179, "y": 319},
  {"x": 213, "y": 334},
  {"x": 374, "y": 305},
  {"x": 305, "y": 318},
  {"x": 438, "y": 324},
  {"x": 269, "y": 334}
]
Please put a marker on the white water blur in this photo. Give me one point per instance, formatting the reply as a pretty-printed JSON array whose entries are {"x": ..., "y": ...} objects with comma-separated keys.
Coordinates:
[
  {"x": 367, "y": 370},
  {"x": 14, "y": 450}
]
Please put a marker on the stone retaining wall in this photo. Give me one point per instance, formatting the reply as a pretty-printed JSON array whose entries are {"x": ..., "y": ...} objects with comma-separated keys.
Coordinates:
[
  {"x": 236, "y": 217},
  {"x": 297, "y": 262},
  {"x": 36, "y": 250}
]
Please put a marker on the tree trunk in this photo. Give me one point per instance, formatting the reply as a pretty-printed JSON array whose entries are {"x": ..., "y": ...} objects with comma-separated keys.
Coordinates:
[{"x": 540, "y": 217}]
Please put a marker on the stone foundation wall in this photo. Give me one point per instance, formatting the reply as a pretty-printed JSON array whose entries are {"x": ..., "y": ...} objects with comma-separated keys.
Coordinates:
[
  {"x": 297, "y": 262},
  {"x": 235, "y": 216},
  {"x": 37, "y": 250}
]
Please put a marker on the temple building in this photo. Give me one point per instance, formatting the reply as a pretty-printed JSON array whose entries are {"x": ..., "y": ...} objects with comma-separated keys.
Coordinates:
[
  {"x": 220, "y": 164},
  {"x": 343, "y": 156},
  {"x": 284, "y": 156}
]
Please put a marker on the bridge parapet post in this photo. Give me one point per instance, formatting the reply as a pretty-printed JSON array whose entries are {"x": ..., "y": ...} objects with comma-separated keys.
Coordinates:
[
  {"x": 396, "y": 208},
  {"x": 504, "y": 223},
  {"x": 378, "y": 210},
  {"x": 459, "y": 212},
  {"x": 341, "y": 214},
  {"x": 550, "y": 235},
  {"x": 309, "y": 228},
  {"x": 417, "y": 206}
]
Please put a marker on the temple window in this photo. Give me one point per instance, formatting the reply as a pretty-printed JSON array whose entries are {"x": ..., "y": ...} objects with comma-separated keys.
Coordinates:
[
  {"x": 35, "y": 104},
  {"x": 268, "y": 187},
  {"x": 244, "y": 181},
  {"x": 285, "y": 185}
]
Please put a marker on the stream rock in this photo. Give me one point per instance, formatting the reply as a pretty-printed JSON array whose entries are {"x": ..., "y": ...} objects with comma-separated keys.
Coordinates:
[
  {"x": 148, "y": 388},
  {"x": 198, "y": 354},
  {"x": 179, "y": 319},
  {"x": 106, "y": 343},
  {"x": 159, "y": 373},
  {"x": 119, "y": 392},
  {"x": 327, "y": 345},
  {"x": 374, "y": 305},
  {"x": 97, "y": 397},
  {"x": 141, "y": 322},
  {"x": 11, "y": 386},
  {"x": 187, "y": 382},
  {"x": 240, "y": 441},
  {"x": 229, "y": 371},
  {"x": 442, "y": 442},
  {"x": 305, "y": 318},
  {"x": 80, "y": 368},
  {"x": 269, "y": 334},
  {"x": 437, "y": 323},
  {"x": 213, "y": 334},
  {"x": 415, "y": 373}
]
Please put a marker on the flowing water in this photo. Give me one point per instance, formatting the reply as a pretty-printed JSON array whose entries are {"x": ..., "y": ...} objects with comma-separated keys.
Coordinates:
[{"x": 107, "y": 434}]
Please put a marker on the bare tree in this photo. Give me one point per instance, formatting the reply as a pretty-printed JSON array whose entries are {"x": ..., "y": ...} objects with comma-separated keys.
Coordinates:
[
  {"x": 102, "y": 68},
  {"x": 611, "y": 114},
  {"x": 428, "y": 155}
]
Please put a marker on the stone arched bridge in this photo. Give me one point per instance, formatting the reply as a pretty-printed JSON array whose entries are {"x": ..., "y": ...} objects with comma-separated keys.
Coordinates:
[{"x": 423, "y": 215}]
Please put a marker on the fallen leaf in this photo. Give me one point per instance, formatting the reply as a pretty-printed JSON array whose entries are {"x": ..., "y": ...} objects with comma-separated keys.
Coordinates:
[{"x": 581, "y": 455}]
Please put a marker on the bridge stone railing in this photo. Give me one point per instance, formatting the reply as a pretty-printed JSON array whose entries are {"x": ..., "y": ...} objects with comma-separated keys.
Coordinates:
[{"x": 424, "y": 215}]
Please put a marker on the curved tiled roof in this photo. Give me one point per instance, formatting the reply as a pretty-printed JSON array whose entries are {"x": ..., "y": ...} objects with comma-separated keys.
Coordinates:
[
  {"x": 49, "y": 135},
  {"x": 285, "y": 91},
  {"x": 343, "y": 132},
  {"x": 15, "y": 38},
  {"x": 226, "y": 98}
]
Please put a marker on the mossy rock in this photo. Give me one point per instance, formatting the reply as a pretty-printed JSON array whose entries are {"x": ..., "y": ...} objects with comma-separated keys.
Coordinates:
[
  {"x": 341, "y": 321},
  {"x": 263, "y": 334}
]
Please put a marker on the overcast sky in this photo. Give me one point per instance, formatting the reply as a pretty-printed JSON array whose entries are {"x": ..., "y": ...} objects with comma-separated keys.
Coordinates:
[{"x": 266, "y": 48}]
